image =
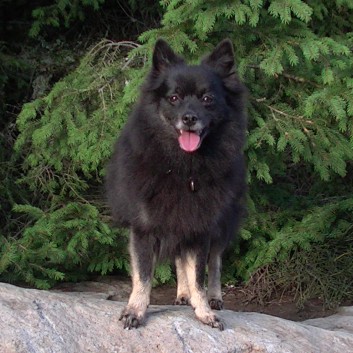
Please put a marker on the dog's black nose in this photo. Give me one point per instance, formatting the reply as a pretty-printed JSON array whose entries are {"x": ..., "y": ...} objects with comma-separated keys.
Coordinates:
[{"x": 189, "y": 119}]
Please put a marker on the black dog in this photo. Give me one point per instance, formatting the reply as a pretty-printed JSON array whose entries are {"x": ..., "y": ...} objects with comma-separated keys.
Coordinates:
[{"x": 177, "y": 177}]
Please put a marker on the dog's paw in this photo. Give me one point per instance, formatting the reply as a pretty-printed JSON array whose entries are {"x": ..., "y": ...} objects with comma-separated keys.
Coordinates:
[
  {"x": 212, "y": 320},
  {"x": 130, "y": 319},
  {"x": 182, "y": 301},
  {"x": 216, "y": 322},
  {"x": 216, "y": 304}
]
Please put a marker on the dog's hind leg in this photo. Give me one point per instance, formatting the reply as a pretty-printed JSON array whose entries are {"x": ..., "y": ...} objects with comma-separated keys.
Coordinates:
[
  {"x": 142, "y": 259},
  {"x": 214, "y": 293},
  {"x": 194, "y": 261},
  {"x": 183, "y": 294}
]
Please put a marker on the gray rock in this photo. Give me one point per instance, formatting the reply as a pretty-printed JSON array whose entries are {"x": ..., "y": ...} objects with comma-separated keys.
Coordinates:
[
  {"x": 33, "y": 321},
  {"x": 342, "y": 321}
]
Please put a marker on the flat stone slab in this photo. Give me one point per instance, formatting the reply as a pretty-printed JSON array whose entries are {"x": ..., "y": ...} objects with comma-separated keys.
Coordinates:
[{"x": 34, "y": 321}]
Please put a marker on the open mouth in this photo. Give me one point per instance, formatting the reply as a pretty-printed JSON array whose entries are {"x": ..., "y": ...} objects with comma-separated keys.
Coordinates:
[{"x": 190, "y": 141}]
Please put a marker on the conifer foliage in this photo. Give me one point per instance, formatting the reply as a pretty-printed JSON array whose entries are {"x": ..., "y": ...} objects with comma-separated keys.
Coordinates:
[{"x": 296, "y": 59}]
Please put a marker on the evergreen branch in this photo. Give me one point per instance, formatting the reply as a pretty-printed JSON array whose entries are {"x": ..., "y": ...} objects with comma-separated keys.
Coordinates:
[
  {"x": 289, "y": 76},
  {"x": 273, "y": 109},
  {"x": 299, "y": 79}
]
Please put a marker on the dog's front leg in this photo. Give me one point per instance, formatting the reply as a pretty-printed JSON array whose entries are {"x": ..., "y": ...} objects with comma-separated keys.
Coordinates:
[
  {"x": 194, "y": 261},
  {"x": 142, "y": 260}
]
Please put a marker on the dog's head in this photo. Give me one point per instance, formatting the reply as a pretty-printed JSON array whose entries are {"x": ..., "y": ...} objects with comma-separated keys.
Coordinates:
[{"x": 193, "y": 100}]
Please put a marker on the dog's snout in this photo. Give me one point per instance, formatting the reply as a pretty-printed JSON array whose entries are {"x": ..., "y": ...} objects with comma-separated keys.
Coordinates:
[{"x": 189, "y": 119}]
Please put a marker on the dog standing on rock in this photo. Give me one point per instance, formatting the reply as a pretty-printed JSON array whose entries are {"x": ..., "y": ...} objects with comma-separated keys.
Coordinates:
[{"x": 177, "y": 177}]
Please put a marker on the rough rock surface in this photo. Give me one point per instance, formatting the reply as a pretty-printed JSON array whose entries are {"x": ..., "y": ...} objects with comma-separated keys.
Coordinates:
[{"x": 33, "y": 321}]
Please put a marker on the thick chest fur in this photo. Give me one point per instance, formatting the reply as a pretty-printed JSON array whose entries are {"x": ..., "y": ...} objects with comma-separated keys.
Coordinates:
[{"x": 182, "y": 200}]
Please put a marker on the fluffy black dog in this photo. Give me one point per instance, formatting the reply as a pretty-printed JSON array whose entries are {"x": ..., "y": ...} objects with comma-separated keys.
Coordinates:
[{"x": 177, "y": 177}]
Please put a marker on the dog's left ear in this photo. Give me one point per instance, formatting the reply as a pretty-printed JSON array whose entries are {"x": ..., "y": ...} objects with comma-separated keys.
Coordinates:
[
  {"x": 222, "y": 59},
  {"x": 164, "y": 56}
]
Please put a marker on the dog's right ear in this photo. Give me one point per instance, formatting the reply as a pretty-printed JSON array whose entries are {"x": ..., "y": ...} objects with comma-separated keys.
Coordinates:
[
  {"x": 164, "y": 56},
  {"x": 222, "y": 59}
]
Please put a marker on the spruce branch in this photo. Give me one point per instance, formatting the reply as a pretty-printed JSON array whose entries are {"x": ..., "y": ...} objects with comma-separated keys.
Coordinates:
[
  {"x": 288, "y": 76},
  {"x": 299, "y": 79}
]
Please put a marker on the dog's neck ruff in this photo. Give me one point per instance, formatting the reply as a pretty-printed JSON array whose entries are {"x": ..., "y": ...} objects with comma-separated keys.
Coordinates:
[
  {"x": 191, "y": 179},
  {"x": 192, "y": 182}
]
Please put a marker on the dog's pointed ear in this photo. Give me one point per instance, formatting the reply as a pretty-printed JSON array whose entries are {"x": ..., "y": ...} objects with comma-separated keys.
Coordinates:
[
  {"x": 164, "y": 56},
  {"x": 222, "y": 59}
]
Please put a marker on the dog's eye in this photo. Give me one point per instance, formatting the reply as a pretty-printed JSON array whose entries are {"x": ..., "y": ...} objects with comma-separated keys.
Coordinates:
[
  {"x": 207, "y": 99},
  {"x": 174, "y": 98}
]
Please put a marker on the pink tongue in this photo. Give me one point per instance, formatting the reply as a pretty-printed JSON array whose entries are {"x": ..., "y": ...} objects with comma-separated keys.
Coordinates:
[{"x": 189, "y": 141}]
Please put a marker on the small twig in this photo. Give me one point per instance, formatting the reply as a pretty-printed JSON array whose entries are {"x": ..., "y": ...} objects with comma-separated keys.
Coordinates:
[
  {"x": 289, "y": 76},
  {"x": 298, "y": 79},
  {"x": 273, "y": 109},
  {"x": 109, "y": 44}
]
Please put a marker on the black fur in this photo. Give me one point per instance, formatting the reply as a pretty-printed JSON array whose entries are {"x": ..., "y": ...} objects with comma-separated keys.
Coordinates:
[{"x": 173, "y": 200}]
